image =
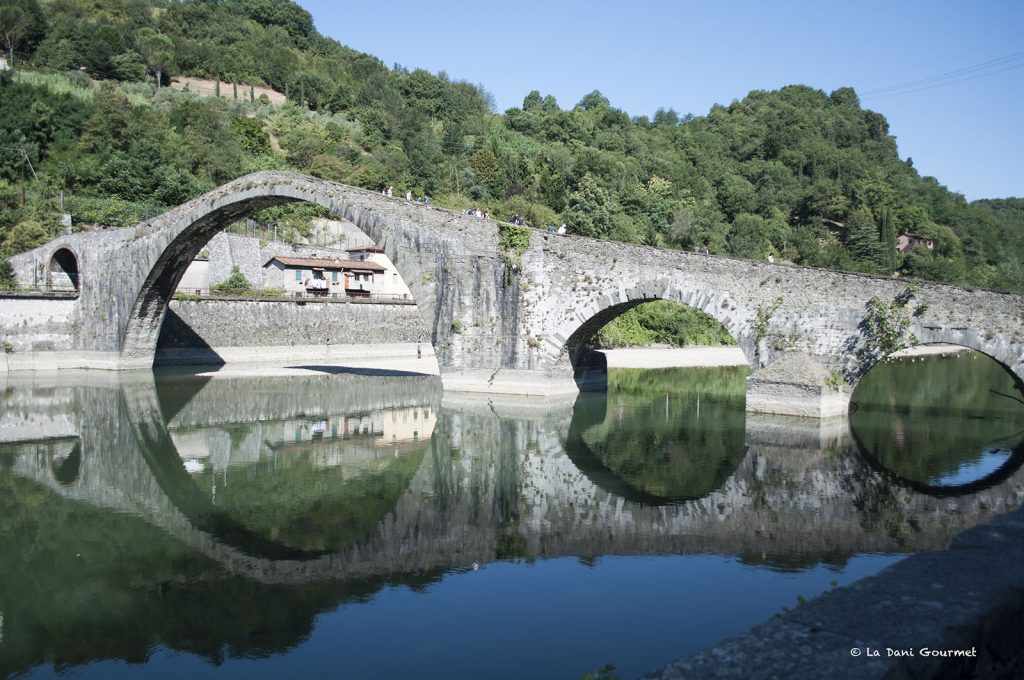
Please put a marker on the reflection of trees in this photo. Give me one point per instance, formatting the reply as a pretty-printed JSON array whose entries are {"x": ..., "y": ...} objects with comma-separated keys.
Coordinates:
[
  {"x": 926, "y": 418},
  {"x": 296, "y": 502},
  {"x": 668, "y": 435},
  {"x": 83, "y": 584},
  {"x": 510, "y": 542},
  {"x": 962, "y": 383},
  {"x": 883, "y": 507}
]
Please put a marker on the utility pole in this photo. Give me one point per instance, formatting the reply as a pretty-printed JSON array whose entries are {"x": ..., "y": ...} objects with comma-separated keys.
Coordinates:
[{"x": 25, "y": 159}]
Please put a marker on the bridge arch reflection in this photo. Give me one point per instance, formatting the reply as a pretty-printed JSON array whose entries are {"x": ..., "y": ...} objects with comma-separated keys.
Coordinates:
[
  {"x": 299, "y": 499},
  {"x": 665, "y": 448},
  {"x": 944, "y": 420}
]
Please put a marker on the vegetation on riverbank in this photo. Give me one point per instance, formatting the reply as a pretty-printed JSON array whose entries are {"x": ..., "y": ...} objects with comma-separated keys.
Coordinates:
[
  {"x": 662, "y": 323},
  {"x": 797, "y": 174}
]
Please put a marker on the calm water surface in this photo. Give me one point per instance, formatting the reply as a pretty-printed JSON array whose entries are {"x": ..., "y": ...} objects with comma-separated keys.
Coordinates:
[{"x": 365, "y": 526}]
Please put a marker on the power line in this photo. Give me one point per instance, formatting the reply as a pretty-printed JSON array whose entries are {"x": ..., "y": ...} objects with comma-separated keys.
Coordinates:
[
  {"x": 950, "y": 74},
  {"x": 943, "y": 84},
  {"x": 980, "y": 70}
]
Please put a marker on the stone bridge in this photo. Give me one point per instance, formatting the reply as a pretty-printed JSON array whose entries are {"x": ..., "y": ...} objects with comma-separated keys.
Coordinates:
[
  {"x": 524, "y": 476},
  {"x": 500, "y": 319}
]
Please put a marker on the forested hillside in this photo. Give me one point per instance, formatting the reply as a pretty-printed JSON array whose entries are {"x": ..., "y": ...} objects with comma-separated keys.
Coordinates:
[{"x": 797, "y": 174}]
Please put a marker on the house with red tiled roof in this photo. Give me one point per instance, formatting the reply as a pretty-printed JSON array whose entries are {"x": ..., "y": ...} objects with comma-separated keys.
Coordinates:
[
  {"x": 389, "y": 284},
  {"x": 323, "y": 276},
  {"x": 907, "y": 242}
]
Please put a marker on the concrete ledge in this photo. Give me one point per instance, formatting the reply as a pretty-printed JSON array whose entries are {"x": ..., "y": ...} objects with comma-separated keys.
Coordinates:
[
  {"x": 511, "y": 405},
  {"x": 286, "y": 355},
  {"x": 796, "y": 385},
  {"x": 509, "y": 381},
  {"x": 30, "y": 360},
  {"x": 804, "y": 401},
  {"x": 292, "y": 354},
  {"x": 968, "y": 599}
]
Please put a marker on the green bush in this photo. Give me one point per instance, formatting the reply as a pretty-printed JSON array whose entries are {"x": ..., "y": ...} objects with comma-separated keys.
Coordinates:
[
  {"x": 662, "y": 322},
  {"x": 236, "y": 284},
  {"x": 7, "y": 279},
  {"x": 112, "y": 211}
]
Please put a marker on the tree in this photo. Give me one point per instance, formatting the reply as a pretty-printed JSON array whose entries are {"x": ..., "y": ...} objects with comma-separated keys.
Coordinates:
[
  {"x": 862, "y": 240},
  {"x": 532, "y": 101},
  {"x": 594, "y": 100},
  {"x": 7, "y": 278},
  {"x": 21, "y": 22},
  {"x": 749, "y": 237},
  {"x": 24, "y": 236},
  {"x": 590, "y": 210},
  {"x": 887, "y": 236},
  {"x": 129, "y": 66},
  {"x": 157, "y": 51}
]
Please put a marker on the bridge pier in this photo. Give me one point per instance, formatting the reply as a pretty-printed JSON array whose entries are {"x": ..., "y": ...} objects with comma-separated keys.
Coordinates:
[{"x": 797, "y": 385}]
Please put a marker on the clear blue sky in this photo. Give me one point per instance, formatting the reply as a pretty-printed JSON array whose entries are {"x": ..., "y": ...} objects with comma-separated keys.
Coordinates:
[{"x": 688, "y": 56}]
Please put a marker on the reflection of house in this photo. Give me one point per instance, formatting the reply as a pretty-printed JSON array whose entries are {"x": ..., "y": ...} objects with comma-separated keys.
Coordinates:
[
  {"x": 355, "y": 442},
  {"x": 907, "y": 242},
  {"x": 323, "y": 276},
  {"x": 381, "y": 428}
]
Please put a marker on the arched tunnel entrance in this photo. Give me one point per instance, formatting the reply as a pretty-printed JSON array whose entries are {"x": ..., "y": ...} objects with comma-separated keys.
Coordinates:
[
  {"x": 940, "y": 419},
  {"x": 62, "y": 274}
]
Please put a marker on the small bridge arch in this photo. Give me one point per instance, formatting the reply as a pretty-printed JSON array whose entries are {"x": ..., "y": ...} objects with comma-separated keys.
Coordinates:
[
  {"x": 608, "y": 309},
  {"x": 62, "y": 273}
]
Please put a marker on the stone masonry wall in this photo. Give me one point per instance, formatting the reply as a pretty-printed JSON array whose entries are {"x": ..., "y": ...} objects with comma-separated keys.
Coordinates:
[{"x": 250, "y": 323}]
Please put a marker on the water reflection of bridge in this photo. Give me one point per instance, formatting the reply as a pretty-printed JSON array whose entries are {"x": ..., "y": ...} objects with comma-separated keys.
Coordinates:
[{"x": 494, "y": 481}]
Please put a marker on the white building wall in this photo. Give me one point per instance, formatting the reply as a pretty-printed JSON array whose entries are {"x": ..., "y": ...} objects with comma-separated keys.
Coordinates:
[{"x": 196, "y": 278}]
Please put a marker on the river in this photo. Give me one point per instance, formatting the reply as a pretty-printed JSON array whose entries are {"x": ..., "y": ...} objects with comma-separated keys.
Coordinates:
[{"x": 361, "y": 524}]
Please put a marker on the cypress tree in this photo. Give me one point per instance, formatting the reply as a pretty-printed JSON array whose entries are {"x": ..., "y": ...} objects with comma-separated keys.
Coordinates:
[
  {"x": 862, "y": 240},
  {"x": 887, "y": 236}
]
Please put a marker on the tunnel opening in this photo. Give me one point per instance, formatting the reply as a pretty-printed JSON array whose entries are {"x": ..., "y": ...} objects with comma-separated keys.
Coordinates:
[
  {"x": 62, "y": 274},
  {"x": 942, "y": 419}
]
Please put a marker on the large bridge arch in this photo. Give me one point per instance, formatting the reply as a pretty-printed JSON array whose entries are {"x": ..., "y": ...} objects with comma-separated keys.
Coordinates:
[{"x": 190, "y": 227}]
